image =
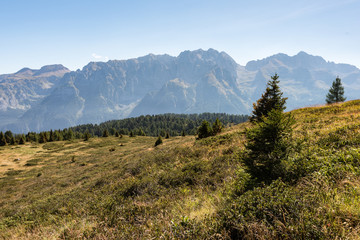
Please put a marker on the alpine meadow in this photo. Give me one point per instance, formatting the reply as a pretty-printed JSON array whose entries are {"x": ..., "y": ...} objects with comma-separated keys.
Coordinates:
[{"x": 209, "y": 120}]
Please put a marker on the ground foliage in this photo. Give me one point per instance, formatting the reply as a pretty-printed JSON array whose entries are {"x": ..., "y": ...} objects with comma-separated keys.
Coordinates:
[{"x": 125, "y": 188}]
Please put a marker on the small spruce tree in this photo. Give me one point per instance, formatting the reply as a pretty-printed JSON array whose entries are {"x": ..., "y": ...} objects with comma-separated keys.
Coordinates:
[
  {"x": 117, "y": 134},
  {"x": 183, "y": 133},
  {"x": 12, "y": 141},
  {"x": 270, "y": 99},
  {"x": 68, "y": 135},
  {"x": 42, "y": 137},
  {"x": 217, "y": 127},
  {"x": 105, "y": 133},
  {"x": 2, "y": 139},
  {"x": 8, "y": 136},
  {"x": 131, "y": 134},
  {"x": 268, "y": 145},
  {"x": 336, "y": 92},
  {"x": 52, "y": 136},
  {"x": 22, "y": 139},
  {"x": 204, "y": 130},
  {"x": 167, "y": 135},
  {"x": 87, "y": 136},
  {"x": 141, "y": 132},
  {"x": 158, "y": 141}
]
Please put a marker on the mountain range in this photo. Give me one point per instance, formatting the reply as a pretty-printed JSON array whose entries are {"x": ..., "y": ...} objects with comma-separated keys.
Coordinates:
[{"x": 193, "y": 82}]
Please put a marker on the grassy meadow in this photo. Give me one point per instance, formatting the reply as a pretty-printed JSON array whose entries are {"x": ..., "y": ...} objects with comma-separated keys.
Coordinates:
[{"x": 125, "y": 188}]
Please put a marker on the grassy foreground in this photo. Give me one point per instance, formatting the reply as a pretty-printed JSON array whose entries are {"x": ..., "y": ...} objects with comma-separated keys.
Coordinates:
[{"x": 125, "y": 188}]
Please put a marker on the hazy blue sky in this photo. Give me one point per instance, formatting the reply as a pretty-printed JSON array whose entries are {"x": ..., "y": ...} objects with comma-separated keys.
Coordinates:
[{"x": 74, "y": 32}]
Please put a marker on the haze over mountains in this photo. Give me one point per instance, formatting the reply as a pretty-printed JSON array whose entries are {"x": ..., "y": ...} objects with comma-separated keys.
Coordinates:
[{"x": 194, "y": 82}]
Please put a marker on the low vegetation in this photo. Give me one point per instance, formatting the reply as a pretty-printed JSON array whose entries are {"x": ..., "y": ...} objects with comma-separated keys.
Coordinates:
[{"x": 125, "y": 188}]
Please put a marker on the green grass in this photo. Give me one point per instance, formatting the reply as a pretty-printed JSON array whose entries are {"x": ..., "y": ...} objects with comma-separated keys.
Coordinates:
[{"x": 125, "y": 188}]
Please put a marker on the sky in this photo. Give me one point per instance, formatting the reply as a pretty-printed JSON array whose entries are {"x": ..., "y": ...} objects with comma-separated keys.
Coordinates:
[{"x": 34, "y": 33}]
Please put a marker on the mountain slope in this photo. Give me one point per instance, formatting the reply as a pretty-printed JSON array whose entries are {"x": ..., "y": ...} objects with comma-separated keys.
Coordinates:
[
  {"x": 193, "y": 82},
  {"x": 24, "y": 89},
  {"x": 305, "y": 79},
  {"x": 125, "y": 188}
]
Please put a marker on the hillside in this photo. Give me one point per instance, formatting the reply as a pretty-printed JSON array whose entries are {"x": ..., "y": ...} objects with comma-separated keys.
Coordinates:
[{"x": 125, "y": 188}]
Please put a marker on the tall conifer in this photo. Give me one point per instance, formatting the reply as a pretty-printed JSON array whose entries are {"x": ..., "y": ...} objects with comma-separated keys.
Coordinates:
[
  {"x": 270, "y": 99},
  {"x": 336, "y": 92}
]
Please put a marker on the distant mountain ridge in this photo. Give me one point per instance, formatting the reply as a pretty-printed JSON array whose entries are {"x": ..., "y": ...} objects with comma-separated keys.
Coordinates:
[
  {"x": 24, "y": 89},
  {"x": 193, "y": 82}
]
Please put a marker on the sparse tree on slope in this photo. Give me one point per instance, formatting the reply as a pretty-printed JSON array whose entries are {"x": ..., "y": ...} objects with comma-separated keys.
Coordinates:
[
  {"x": 158, "y": 141},
  {"x": 217, "y": 127},
  {"x": 268, "y": 145},
  {"x": 336, "y": 92},
  {"x": 270, "y": 99},
  {"x": 204, "y": 130}
]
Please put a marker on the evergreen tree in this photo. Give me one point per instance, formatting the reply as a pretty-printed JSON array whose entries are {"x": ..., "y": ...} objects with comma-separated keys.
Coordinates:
[
  {"x": 131, "y": 134},
  {"x": 141, "y": 132},
  {"x": 86, "y": 136},
  {"x": 68, "y": 135},
  {"x": 22, "y": 139},
  {"x": 42, "y": 138},
  {"x": 56, "y": 136},
  {"x": 183, "y": 133},
  {"x": 270, "y": 99},
  {"x": 204, "y": 130},
  {"x": 51, "y": 137},
  {"x": 12, "y": 141},
  {"x": 8, "y": 136},
  {"x": 268, "y": 145},
  {"x": 158, "y": 141},
  {"x": 117, "y": 134},
  {"x": 60, "y": 136},
  {"x": 2, "y": 139},
  {"x": 217, "y": 127},
  {"x": 336, "y": 92},
  {"x": 105, "y": 133},
  {"x": 167, "y": 135}
]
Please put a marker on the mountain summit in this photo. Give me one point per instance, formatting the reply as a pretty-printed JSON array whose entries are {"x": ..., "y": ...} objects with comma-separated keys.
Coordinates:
[{"x": 193, "y": 82}]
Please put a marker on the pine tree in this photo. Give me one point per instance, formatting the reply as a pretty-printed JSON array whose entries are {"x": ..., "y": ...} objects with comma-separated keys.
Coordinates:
[
  {"x": 204, "y": 130},
  {"x": 117, "y": 134},
  {"x": 8, "y": 136},
  {"x": 158, "y": 141},
  {"x": 141, "y": 132},
  {"x": 217, "y": 127},
  {"x": 268, "y": 145},
  {"x": 42, "y": 138},
  {"x": 2, "y": 139},
  {"x": 12, "y": 141},
  {"x": 87, "y": 135},
  {"x": 22, "y": 139},
  {"x": 336, "y": 92},
  {"x": 105, "y": 133},
  {"x": 183, "y": 133},
  {"x": 167, "y": 135},
  {"x": 270, "y": 99},
  {"x": 68, "y": 135},
  {"x": 131, "y": 134}
]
